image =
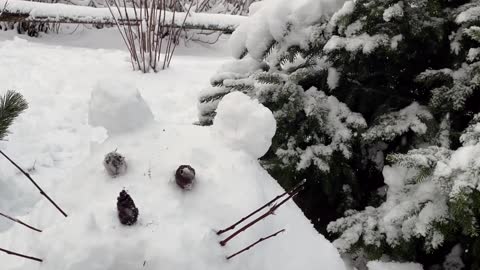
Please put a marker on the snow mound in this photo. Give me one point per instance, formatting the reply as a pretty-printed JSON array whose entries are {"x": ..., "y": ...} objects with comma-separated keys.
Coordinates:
[
  {"x": 117, "y": 106},
  {"x": 175, "y": 228},
  {"x": 245, "y": 124},
  {"x": 377, "y": 265}
]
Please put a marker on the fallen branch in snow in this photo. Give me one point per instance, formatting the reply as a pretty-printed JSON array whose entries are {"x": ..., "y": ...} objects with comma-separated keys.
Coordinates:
[
  {"x": 294, "y": 189},
  {"x": 20, "y": 222},
  {"x": 21, "y": 255},
  {"x": 266, "y": 214},
  {"x": 18, "y": 10},
  {"x": 34, "y": 183},
  {"x": 254, "y": 244}
]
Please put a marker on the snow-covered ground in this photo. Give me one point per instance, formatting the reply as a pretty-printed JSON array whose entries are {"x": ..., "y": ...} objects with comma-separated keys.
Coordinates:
[
  {"x": 53, "y": 135},
  {"x": 54, "y": 139}
]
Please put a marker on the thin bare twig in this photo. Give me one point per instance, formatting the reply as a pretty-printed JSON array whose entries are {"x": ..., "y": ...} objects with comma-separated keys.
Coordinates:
[
  {"x": 177, "y": 34},
  {"x": 271, "y": 211},
  {"x": 120, "y": 30},
  {"x": 21, "y": 255},
  {"x": 34, "y": 183},
  {"x": 291, "y": 191},
  {"x": 19, "y": 222},
  {"x": 254, "y": 244}
]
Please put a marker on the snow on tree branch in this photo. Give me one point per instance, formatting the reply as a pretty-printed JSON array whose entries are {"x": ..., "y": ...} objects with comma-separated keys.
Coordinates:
[{"x": 392, "y": 125}]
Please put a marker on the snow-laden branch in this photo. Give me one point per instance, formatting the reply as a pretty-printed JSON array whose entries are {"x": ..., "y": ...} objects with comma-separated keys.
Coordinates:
[{"x": 17, "y": 10}]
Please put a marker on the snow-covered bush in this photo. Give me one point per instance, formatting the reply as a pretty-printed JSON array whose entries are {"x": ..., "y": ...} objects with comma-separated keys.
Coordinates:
[{"x": 147, "y": 29}]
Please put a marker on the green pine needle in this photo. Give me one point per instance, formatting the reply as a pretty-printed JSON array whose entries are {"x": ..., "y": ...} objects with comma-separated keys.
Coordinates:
[{"x": 12, "y": 104}]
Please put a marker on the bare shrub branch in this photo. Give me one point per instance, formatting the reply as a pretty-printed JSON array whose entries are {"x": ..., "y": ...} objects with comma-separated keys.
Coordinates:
[{"x": 146, "y": 28}]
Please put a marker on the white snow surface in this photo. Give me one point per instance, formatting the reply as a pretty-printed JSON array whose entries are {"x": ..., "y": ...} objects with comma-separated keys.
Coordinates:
[
  {"x": 377, "y": 265},
  {"x": 245, "y": 124},
  {"x": 176, "y": 229},
  {"x": 116, "y": 105}
]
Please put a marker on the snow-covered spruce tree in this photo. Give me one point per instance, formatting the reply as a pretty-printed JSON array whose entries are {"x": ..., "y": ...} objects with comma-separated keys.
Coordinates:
[
  {"x": 316, "y": 133},
  {"x": 376, "y": 78},
  {"x": 432, "y": 201}
]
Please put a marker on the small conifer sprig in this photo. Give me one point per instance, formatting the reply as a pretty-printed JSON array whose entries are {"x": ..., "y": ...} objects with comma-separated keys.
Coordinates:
[{"x": 12, "y": 104}]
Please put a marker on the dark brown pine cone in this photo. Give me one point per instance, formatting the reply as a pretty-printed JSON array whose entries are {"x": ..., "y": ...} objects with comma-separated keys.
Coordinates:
[
  {"x": 185, "y": 176},
  {"x": 127, "y": 211}
]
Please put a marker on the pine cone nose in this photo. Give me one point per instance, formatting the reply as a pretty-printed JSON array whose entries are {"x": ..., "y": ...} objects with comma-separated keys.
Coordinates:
[{"x": 127, "y": 211}]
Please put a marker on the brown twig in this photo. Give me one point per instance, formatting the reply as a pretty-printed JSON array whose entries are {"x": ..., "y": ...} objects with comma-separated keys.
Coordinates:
[
  {"x": 21, "y": 255},
  {"x": 34, "y": 183},
  {"x": 177, "y": 34},
  {"x": 299, "y": 185},
  {"x": 266, "y": 214},
  {"x": 145, "y": 29},
  {"x": 20, "y": 222},
  {"x": 121, "y": 33},
  {"x": 254, "y": 244}
]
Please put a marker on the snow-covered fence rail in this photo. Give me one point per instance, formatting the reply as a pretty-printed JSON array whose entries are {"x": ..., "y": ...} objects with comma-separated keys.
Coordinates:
[{"x": 17, "y": 10}]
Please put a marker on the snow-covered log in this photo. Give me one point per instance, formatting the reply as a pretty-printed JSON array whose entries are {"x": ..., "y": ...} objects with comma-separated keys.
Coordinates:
[{"x": 17, "y": 10}]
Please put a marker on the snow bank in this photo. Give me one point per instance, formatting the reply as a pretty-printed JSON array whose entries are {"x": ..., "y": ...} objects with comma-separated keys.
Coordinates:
[
  {"x": 68, "y": 13},
  {"x": 245, "y": 124},
  {"x": 377, "y": 265},
  {"x": 117, "y": 106},
  {"x": 176, "y": 228}
]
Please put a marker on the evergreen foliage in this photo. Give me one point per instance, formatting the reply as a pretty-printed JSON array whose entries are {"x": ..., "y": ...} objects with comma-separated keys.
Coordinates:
[
  {"x": 12, "y": 104},
  {"x": 380, "y": 82}
]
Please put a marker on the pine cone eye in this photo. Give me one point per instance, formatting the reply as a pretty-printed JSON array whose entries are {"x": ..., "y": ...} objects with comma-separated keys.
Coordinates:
[
  {"x": 115, "y": 164},
  {"x": 185, "y": 176}
]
